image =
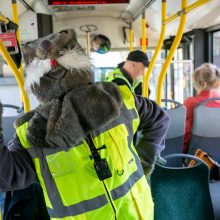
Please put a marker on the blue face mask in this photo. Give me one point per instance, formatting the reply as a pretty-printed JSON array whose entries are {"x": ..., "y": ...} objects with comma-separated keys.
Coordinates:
[{"x": 102, "y": 50}]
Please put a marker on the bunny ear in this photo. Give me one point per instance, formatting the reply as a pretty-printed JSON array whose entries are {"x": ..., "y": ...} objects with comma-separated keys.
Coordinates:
[{"x": 35, "y": 70}]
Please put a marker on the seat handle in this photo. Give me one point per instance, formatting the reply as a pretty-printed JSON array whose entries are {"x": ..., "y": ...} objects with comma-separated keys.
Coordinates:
[
  {"x": 172, "y": 101},
  {"x": 208, "y": 100},
  {"x": 19, "y": 109},
  {"x": 188, "y": 156}
]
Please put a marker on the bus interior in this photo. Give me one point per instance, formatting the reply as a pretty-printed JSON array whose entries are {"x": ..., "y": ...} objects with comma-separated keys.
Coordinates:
[{"x": 132, "y": 25}]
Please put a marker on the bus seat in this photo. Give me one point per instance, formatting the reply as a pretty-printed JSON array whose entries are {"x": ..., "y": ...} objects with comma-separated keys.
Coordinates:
[
  {"x": 7, "y": 123},
  {"x": 181, "y": 192},
  {"x": 206, "y": 130},
  {"x": 215, "y": 195},
  {"x": 175, "y": 135}
]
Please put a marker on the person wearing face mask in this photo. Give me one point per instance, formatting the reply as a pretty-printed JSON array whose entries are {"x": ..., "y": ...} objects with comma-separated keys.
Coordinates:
[
  {"x": 131, "y": 71},
  {"x": 206, "y": 81}
]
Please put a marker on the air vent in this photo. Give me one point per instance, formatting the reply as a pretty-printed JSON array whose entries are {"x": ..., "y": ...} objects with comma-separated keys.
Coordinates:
[{"x": 63, "y": 8}]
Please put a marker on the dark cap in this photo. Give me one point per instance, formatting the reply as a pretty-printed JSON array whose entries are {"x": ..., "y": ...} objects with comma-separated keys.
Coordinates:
[{"x": 138, "y": 56}]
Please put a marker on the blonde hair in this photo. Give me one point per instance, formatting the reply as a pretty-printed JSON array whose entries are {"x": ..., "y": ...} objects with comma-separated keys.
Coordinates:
[{"x": 209, "y": 74}]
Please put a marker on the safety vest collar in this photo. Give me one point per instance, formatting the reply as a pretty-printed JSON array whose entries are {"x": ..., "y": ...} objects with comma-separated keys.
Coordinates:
[{"x": 117, "y": 74}]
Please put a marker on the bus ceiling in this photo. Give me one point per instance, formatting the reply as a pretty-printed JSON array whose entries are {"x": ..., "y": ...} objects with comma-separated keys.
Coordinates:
[
  {"x": 117, "y": 16},
  {"x": 127, "y": 10},
  {"x": 123, "y": 10}
]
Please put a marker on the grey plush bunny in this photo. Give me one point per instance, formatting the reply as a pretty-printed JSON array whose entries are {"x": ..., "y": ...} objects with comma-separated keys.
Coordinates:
[{"x": 71, "y": 104}]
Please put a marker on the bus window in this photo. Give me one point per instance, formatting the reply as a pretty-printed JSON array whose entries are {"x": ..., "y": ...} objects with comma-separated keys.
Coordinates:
[
  {"x": 216, "y": 48},
  {"x": 105, "y": 63}
]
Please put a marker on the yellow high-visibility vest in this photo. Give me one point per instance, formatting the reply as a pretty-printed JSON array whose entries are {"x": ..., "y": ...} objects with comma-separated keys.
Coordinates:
[
  {"x": 117, "y": 74},
  {"x": 70, "y": 184}
]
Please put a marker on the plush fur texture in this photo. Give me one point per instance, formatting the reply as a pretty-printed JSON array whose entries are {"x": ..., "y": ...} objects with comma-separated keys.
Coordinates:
[
  {"x": 40, "y": 67},
  {"x": 81, "y": 61},
  {"x": 147, "y": 167},
  {"x": 72, "y": 105}
]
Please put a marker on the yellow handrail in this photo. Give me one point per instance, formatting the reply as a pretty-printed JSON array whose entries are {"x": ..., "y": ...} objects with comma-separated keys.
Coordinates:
[
  {"x": 17, "y": 75},
  {"x": 171, "y": 53},
  {"x": 158, "y": 48},
  {"x": 16, "y": 21},
  {"x": 131, "y": 38},
  {"x": 185, "y": 10},
  {"x": 195, "y": 5},
  {"x": 144, "y": 48}
]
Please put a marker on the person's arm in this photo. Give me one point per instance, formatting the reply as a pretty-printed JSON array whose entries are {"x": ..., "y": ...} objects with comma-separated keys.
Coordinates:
[
  {"x": 154, "y": 123},
  {"x": 16, "y": 167}
]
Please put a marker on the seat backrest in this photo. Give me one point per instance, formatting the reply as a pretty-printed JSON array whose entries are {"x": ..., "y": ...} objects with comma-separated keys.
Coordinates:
[
  {"x": 206, "y": 130},
  {"x": 7, "y": 123},
  {"x": 175, "y": 134},
  {"x": 181, "y": 192}
]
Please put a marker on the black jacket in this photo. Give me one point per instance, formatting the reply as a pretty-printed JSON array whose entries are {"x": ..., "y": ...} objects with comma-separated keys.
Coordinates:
[{"x": 26, "y": 204}]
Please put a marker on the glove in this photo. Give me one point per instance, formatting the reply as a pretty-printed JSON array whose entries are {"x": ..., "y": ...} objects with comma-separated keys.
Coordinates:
[{"x": 1, "y": 136}]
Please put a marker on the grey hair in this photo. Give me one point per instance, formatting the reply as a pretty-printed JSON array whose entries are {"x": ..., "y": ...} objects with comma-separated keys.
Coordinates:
[{"x": 207, "y": 73}]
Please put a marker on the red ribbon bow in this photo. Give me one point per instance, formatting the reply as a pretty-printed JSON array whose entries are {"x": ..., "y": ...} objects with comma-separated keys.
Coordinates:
[{"x": 53, "y": 63}]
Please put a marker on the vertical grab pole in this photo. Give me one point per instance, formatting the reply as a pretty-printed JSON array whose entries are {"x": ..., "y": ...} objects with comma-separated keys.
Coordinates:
[
  {"x": 87, "y": 43},
  {"x": 171, "y": 52},
  {"x": 17, "y": 74},
  {"x": 131, "y": 37},
  {"x": 16, "y": 21},
  {"x": 144, "y": 49},
  {"x": 158, "y": 48}
]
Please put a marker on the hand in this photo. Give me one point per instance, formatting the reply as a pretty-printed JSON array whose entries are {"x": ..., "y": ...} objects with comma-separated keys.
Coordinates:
[
  {"x": 1, "y": 136},
  {"x": 148, "y": 168}
]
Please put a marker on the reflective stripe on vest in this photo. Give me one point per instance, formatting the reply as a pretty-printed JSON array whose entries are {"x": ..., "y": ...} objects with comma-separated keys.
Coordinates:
[{"x": 70, "y": 184}]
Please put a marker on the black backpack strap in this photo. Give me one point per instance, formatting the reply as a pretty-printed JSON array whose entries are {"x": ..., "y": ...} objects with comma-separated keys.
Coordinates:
[{"x": 101, "y": 165}]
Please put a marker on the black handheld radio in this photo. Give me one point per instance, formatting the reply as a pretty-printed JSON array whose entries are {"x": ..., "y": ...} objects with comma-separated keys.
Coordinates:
[{"x": 101, "y": 165}]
